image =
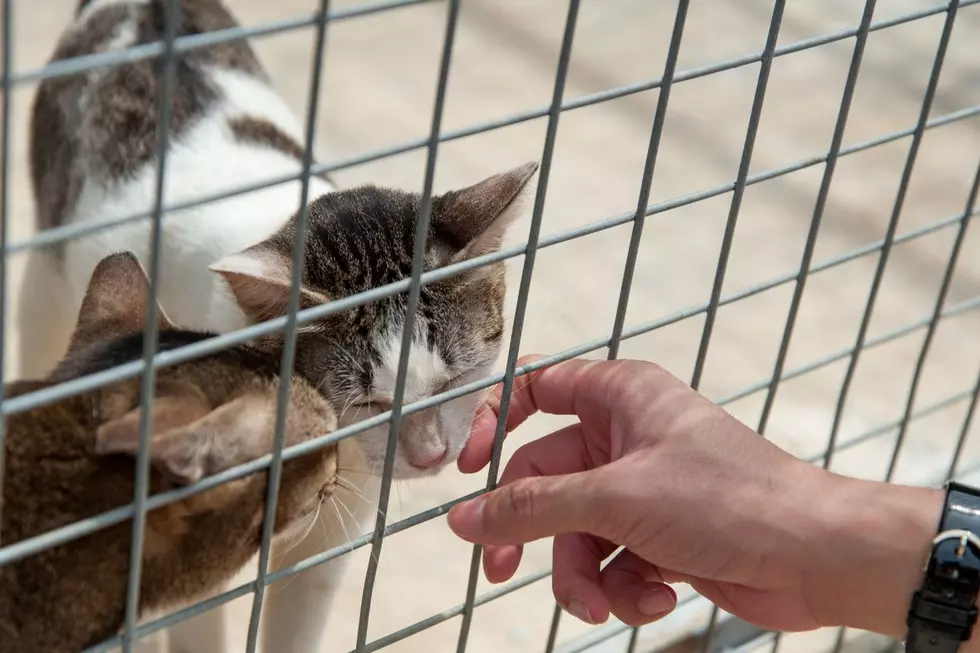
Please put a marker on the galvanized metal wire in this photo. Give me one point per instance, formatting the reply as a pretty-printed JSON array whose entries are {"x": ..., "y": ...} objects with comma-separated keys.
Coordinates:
[
  {"x": 941, "y": 295},
  {"x": 289, "y": 341},
  {"x": 811, "y": 240},
  {"x": 408, "y": 329},
  {"x": 172, "y": 46},
  {"x": 896, "y": 213},
  {"x": 151, "y": 337},
  {"x": 524, "y": 291},
  {"x": 60, "y": 234},
  {"x": 639, "y": 219},
  {"x": 835, "y": 146},
  {"x": 728, "y": 238},
  {"x": 5, "y": 105},
  {"x": 218, "y": 343},
  {"x": 971, "y": 412}
]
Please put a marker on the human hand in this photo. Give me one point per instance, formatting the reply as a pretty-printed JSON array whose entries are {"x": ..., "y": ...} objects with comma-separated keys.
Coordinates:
[{"x": 694, "y": 496}]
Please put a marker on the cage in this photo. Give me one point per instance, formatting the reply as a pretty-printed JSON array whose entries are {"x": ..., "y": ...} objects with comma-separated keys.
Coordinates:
[{"x": 771, "y": 198}]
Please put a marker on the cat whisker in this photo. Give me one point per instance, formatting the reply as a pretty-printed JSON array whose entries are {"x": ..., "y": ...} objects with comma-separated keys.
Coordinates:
[
  {"x": 398, "y": 493},
  {"x": 324, "y": 532},
  {"x": 349, "y": 470},
  {"x": 347, "y": 510},
  {"x": 356, "y": 494},
  {"x": 353, "y": 359},
  {"x": 486, "y": 395},
  {"x": 291, "y": 544},
  {"x": 348, "y": 403},
  {"x": 372, "y": 503},
  {"x": 294, "y": 540},
  {"x": 350, "y": 487},
  {"x": 340, "y": 518},
  {"x": 482, "y": 406}
]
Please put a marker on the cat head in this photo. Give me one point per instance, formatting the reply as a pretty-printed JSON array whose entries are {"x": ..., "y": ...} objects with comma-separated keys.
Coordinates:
[
  {"x": 363, "y": 238},
  {"x": 208, "y": 415}
]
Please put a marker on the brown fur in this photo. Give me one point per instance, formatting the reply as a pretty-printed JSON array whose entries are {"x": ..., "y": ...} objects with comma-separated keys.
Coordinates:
[
  {"x": 71, "y": 460},
  {"x": 262, "y": 132}
]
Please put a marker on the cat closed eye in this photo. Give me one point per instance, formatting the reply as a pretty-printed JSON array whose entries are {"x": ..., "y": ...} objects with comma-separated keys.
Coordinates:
[
  {"x": 447, "y": 386},
  {"x": 375, "y": 406}
]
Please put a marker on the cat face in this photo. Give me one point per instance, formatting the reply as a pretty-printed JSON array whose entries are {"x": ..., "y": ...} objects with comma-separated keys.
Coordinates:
[{"x": 361, "y": 239}]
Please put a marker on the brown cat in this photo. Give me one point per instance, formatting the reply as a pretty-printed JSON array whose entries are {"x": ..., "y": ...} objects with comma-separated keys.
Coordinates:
[{"x": 72, "y": 460}]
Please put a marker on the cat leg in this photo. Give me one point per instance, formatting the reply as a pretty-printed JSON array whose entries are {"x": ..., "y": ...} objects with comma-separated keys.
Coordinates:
[
  {"x": 45, "y": 315},
  {"x": 149, "y": 644},
  {"x": 295, "y": 611},
  {"x": 294, "y": 616},
  {"x": 204, "y": 633}
]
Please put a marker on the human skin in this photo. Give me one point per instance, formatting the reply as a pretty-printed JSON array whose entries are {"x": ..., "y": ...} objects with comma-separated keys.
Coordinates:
[{"x": 694, "y": 496}]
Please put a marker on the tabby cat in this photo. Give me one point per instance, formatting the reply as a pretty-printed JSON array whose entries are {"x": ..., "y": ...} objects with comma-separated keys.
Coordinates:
[{"x": 72, "y": 460}]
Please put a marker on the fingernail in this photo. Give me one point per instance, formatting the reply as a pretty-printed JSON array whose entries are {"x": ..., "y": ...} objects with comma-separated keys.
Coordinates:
[
  {"x": 577, "y": 609},
  {"x": 467, "y": 518},
  {"x": 656, "y": 601}
]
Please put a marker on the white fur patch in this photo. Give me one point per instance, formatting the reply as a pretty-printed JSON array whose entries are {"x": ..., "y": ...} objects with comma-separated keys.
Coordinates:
[
  {"x": 205, "y": 160},
  {"x": 246, "y": 95},
  {"x": 123, "y": 37},
  {"x": 426, "y": 373},
  {"x": 96, "y": 6},
  {"x": 437, "y": 433},
  {"x": 241, "y": 264}
]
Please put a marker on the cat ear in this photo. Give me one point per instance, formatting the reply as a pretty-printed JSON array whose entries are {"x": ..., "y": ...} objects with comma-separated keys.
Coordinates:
[
  {"x": 115, "y": 303},
  {"x": 478, "y": 216},
  {"x": 188, "y": 439},
  {"x": 261, "y": 279}
]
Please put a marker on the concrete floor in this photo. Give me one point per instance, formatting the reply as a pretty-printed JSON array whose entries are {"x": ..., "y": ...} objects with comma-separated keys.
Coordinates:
[{"x": 380, "y": 79}]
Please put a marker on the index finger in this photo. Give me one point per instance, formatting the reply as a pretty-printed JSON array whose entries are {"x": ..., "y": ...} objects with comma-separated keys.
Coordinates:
[{"x": 571, "y": 387}]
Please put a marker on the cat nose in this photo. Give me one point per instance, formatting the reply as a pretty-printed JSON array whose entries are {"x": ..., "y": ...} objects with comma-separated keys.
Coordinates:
[{"x": 428, "y": 459}]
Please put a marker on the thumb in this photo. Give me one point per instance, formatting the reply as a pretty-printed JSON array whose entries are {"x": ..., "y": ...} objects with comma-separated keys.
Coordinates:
[{"x": 533, "y": 508}]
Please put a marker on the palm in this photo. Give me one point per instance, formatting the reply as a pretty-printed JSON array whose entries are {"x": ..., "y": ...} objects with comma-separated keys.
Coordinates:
[{"x": 781, "y": 609}]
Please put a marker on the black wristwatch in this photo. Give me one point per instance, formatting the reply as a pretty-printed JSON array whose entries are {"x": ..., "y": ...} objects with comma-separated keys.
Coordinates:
[{"x": 944, "y": 609}]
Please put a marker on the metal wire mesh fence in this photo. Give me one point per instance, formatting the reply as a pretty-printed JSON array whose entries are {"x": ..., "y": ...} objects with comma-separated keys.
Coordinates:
[{"x": 717, "y": 632}]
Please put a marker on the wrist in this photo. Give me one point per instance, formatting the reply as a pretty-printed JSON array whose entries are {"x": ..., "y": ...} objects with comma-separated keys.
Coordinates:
[{"x": 876, "y": 539}]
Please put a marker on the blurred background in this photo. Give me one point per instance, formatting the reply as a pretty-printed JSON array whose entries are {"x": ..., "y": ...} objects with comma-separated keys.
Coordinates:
[{"x": 379, "y": 88}]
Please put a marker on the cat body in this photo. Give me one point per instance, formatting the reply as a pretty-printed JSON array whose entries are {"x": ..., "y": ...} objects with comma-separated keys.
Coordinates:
[
  {"x": 73, "y": 459},
  {"x": 230, "y": 129},
  {"x": 228, "y": 263}
]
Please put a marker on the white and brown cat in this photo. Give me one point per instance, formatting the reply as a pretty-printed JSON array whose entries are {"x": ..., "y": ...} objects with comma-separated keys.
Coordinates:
[
  {"x": 73, "y": 459},
  {"x": 228, "y": 263}
]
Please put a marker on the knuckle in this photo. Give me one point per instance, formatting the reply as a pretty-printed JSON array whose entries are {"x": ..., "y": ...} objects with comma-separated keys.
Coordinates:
[
  {"x": 522, "y": 500},
  {"x": 627, "y": 373},
  {"x": 649, "y": 371}
]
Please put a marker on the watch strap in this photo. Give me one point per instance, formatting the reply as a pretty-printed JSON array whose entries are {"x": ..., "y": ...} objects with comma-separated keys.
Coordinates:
[{"x": 944, "y": 610}]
